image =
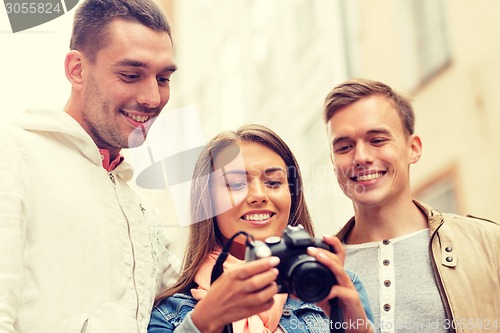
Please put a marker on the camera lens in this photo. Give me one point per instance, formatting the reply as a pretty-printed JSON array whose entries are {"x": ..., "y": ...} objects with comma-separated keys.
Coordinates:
[{"x": 310, "y": 280}]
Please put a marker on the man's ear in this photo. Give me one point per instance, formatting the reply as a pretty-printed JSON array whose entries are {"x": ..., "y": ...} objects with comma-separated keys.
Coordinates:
[
  {"x": 73, "y": 66},
  {"x": 415, "y": 148}
]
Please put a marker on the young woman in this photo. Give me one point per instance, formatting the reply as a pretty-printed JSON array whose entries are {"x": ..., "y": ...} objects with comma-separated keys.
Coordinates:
[{"x": 249, "y": 181}]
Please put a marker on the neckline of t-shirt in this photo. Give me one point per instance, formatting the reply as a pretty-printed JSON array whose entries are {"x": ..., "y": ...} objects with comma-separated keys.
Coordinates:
[{"x": 391, "y": 241}]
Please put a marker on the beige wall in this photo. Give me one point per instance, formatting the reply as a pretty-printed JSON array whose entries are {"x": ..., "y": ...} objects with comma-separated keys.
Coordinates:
[
  {"x": 162, "y": 198},
  {"x": 273, "y": 62},
  {"x": 457, "y": 110}
]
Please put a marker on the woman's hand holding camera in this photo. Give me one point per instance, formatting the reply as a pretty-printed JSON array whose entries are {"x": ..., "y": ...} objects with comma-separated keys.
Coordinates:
[{"x": 238, "y": 293}]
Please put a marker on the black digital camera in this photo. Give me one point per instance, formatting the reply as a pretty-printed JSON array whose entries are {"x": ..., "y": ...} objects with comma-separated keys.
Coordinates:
[{"x": 299, "y": 273}]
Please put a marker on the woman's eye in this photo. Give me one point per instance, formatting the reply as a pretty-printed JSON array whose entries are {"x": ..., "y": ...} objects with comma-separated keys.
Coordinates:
[
  {"x": 236, "y": 186},
  {"x": 274, "y": 183}
]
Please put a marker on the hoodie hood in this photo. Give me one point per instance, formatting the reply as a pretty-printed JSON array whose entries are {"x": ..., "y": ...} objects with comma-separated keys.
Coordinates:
[
  {"x": 61, "y": 125},
  {"x": 58, "y": 122}
]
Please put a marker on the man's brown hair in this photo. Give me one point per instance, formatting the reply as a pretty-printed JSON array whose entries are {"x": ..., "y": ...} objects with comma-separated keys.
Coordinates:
[
  {"x": 352, "y": 91},
  {"x": 92, "y": 18}
]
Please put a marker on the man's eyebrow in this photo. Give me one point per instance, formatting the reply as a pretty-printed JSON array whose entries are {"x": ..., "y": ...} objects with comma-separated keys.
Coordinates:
[
  {"x": 171, "y": 68},
  {"x": 383, "y": 131},
  {"x": 130, "y": 62},
  {"x": 340, "y": 139},
  {"x": 136, "y": 63},
  {"x": 379, "y": 131}
]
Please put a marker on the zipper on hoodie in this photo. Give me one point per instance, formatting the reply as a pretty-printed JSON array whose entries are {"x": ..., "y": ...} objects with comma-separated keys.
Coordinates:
[
  {"x": 112, "y": 177},
  {"x": 113, "y": 180},
  {"x": 133, "y": 276}
]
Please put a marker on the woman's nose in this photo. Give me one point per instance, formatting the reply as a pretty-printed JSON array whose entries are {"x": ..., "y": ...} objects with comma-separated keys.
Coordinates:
[{"x": 256, "y": 193}]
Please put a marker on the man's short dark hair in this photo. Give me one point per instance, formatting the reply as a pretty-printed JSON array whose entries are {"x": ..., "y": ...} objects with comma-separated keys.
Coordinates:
[{"x": 92, "y": 19}]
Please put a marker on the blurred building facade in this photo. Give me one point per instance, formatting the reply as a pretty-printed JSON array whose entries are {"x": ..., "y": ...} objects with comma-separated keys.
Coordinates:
[{"x": 273, "y": 62}]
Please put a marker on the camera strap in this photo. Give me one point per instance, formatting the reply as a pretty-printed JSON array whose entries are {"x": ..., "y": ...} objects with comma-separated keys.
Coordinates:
[{"x": 219, "y": 269}]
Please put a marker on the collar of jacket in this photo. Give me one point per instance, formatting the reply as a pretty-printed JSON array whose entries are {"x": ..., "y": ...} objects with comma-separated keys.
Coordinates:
[{"x": 436, "y": 223}]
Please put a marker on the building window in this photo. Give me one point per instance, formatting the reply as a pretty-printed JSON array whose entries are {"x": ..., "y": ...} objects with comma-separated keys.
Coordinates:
[
  {"x": 350, "y": 25},
  {"x": 428, "y": 50},
  {"x": 441, "y": 192}
]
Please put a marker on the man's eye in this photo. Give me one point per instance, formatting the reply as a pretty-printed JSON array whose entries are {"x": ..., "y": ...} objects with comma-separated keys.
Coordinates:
[
  {"x": 163, "y": 80},
  {"x": 129, "y": 77},
  {"x": 342, "y": 149},
  {"x": 378, "y": 141}
]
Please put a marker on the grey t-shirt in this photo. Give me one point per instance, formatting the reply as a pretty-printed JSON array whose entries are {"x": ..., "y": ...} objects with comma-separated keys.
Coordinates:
[{"x": 398, "y": 278}]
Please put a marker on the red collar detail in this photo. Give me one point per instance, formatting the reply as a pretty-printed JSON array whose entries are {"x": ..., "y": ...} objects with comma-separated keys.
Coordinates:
[{"x": 106, "y": 163}]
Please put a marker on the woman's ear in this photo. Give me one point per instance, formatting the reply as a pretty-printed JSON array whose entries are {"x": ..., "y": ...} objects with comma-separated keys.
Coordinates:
[
  {"x": 415, "y": 148},
  {"x": 73, "y": 66}
]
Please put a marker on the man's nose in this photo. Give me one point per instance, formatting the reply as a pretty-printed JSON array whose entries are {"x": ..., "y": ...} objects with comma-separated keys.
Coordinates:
[
  {"x": 149, "y": 94},
  {"x": 363, "y": 155}
]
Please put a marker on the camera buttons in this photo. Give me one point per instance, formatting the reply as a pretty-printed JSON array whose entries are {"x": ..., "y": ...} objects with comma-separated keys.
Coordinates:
[{"x": 273, "y": 240}]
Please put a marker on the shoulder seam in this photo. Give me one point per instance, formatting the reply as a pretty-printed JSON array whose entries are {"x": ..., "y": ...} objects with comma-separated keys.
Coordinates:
[{"x": 480, "y": 218}]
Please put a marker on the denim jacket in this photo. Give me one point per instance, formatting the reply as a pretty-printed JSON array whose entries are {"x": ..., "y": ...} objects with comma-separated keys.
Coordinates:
[{"x": 174, "y": 313}]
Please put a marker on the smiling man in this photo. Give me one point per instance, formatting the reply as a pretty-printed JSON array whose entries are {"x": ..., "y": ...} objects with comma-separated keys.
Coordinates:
[
  {"x": 424, "y": 270},
  {"x": 80, "y": 251}
]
